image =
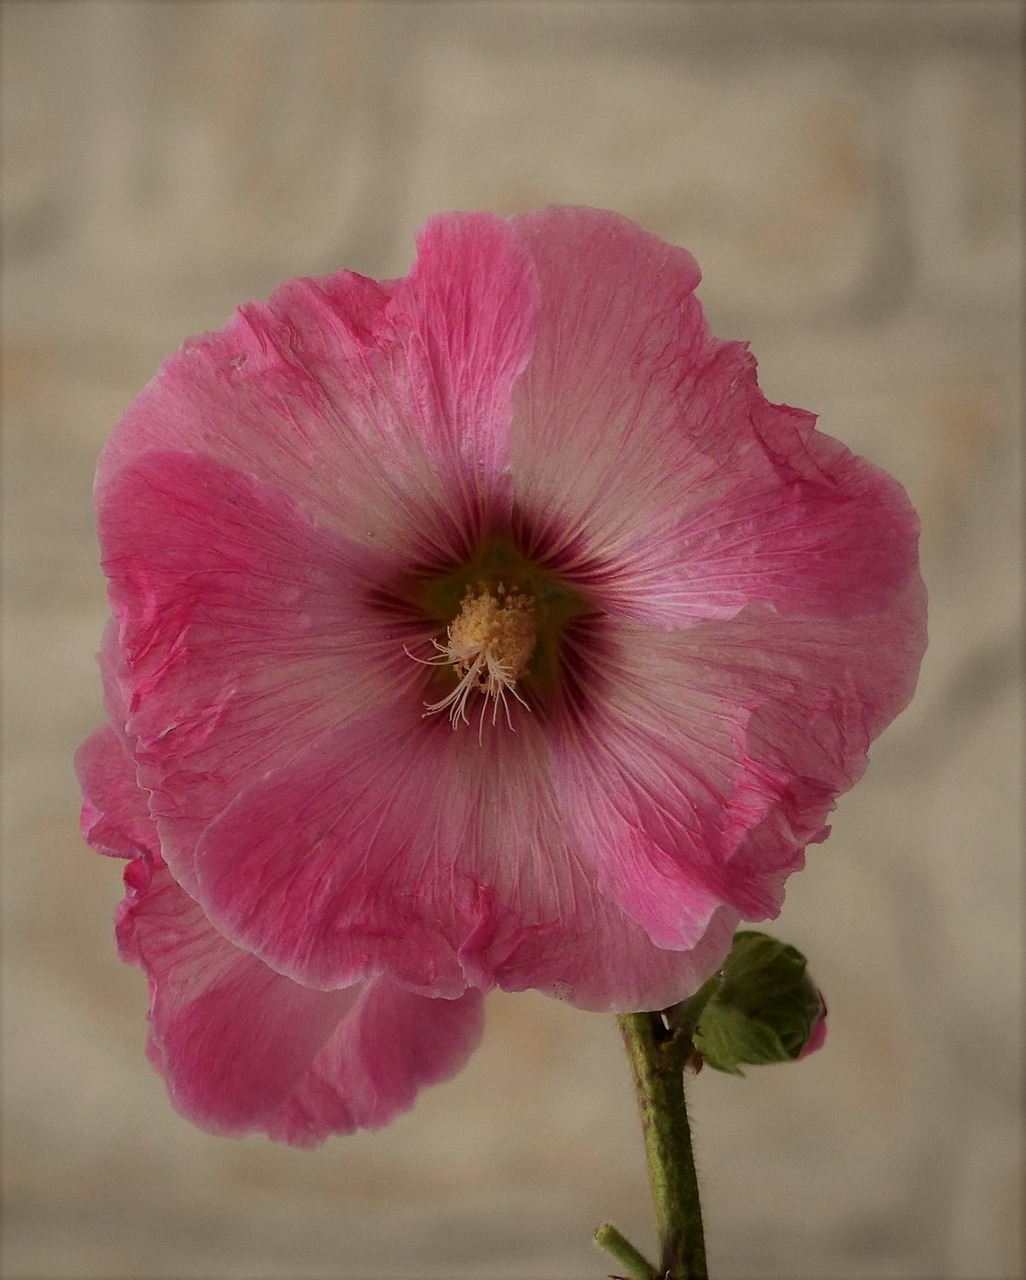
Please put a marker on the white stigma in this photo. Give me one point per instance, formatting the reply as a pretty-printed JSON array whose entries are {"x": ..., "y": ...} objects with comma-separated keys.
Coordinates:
[{"x": 488, "y": 646}]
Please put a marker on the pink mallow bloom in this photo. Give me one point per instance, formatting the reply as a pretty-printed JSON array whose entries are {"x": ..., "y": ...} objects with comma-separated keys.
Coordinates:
[{"x": 487, "y": 628}]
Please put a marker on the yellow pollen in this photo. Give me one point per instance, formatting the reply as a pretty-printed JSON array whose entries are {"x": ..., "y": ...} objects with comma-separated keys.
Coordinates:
[{"x": 489, "y": 646}]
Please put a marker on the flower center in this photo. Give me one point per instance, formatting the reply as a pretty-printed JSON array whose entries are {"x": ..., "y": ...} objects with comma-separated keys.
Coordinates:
[{"x": 488, "y": 645}]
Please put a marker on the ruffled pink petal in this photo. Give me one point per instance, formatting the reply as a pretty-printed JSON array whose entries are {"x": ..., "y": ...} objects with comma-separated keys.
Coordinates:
[
  {"x": 240, "y": 1047},
  {"x": 243, "y": 634},
  {"x": 251, "y": 621},
  {"x": 391, "y": 1044},
  {"x": 715, "y": 755},
  {"x": 115, "y": 818},
  {"x": 681, "y": 493},
  {"x": 243, "y": 1049},
  {"x": 460, "y": 871},
  {"x": 466, "y": 320},
  {"x": 382, "y": 410},
  {"x": 598, "y": 958},
  {"x": 596, "y": 432}
]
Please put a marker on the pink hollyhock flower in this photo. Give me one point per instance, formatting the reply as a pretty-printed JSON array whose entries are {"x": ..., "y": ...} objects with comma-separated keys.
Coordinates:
[
  {"x": 489, "y": 627},
  {"x": 241, "y": 1047}
]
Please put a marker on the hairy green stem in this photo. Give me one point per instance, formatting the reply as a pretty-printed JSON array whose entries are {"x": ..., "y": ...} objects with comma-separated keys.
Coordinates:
[
  {"x": 658, "y": 1057},
  {"x": 636, "y": 1264}
]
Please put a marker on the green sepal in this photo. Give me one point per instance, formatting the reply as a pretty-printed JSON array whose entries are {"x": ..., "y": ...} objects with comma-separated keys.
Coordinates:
[{"x": 765, "y": 1007}]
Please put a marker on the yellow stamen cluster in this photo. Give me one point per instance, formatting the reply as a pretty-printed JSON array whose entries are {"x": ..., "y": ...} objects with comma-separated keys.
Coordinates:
[{"x": 489, "y": 645}]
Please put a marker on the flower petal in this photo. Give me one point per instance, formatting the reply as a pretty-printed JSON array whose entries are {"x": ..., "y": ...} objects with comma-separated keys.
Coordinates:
[
  {"x": 243, "y": 1049},
  {"x": 115, "y": 818},
  {"x": 715, "y": 754},
  {"x": 619, "y": 329},
  {"x": 240, "y": 1047},
  {"x": 391, "y": 1044},
  {"x": 466, "y": 319},
  {"x": 382, "y": 410},
  {"x": 243, "y": 634},
  {"x": 462, "y": 872},
  {"x": 681, "y": 493}
]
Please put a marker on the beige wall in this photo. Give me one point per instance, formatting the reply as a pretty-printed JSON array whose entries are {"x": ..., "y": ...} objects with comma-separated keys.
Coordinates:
[{"x": 849, "y": 178}]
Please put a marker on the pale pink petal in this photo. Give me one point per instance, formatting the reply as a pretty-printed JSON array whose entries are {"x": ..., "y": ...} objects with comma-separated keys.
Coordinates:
[
  {"x": 382, "y": 410},
  {"x": 596, "y": 431},
  {"x": 109, "y": 659},
  {"x": 715, "y": 755},
  {"x": 243, "y": 634},
  {"x": 466, "y": 319},
  {"x": 439, "y": 858},
  {"x": 243, "y": 1049},
  {"x": 597, "y": 957},
  {"x": 115, "y": 818},
  {"x": 390, "y": 1045},
  {"x": 681, "y": 493},
  {"x": 402, "y": 824}
]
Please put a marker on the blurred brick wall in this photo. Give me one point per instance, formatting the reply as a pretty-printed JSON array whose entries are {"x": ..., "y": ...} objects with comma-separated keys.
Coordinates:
[{"x": 849, "y": 178}]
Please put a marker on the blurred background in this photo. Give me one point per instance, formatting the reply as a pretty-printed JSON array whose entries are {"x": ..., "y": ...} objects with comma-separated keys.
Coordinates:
[{"x": 849, "y": 177}]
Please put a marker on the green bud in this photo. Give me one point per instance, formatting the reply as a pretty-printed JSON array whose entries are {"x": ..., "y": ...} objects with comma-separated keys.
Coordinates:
[{"x": 765, "y": 1009}]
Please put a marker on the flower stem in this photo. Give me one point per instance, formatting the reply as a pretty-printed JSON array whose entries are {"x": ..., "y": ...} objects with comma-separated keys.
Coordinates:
[
  {"x": 658, "y": 1057},
  {"x": 637, "y": 1265}
]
